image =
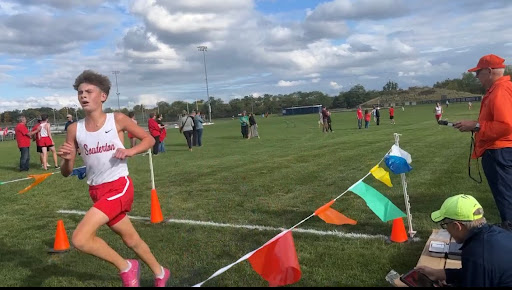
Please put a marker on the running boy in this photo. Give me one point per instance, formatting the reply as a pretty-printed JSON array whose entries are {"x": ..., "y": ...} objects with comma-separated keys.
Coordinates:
[{"x": 99, "y": 137}]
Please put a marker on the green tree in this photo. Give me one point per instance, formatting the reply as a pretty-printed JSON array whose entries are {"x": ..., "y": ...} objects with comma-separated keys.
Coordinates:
[
  {"x": 355, "y": 96},
  {"x": 390, "y": 86}
]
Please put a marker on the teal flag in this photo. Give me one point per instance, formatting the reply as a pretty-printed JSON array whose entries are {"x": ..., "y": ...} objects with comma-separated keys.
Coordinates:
[{"x": 377, "y": 202}]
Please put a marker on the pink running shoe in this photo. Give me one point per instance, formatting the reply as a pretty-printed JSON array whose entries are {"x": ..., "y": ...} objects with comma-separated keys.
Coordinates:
[
  {"x": 163, "y": 281},
  {"x": 131, "y": 278}
]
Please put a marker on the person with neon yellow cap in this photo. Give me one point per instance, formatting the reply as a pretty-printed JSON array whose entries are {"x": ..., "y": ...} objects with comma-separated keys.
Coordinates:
[{"x": 486, "y": 249}]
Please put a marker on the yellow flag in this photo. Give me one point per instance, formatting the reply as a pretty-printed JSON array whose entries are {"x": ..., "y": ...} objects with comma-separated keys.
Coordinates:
[{"x": 382, "y": 175}]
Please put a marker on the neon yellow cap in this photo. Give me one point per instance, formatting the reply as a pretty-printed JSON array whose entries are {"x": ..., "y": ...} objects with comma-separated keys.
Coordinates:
[{"x": 459, "y": 207}]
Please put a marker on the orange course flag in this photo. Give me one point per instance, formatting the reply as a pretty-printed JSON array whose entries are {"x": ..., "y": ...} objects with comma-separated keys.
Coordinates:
[
  {"x": 331, "y": 216},
  {"x": 38, "y": 179},
  {"x": 277, "y": 261}
]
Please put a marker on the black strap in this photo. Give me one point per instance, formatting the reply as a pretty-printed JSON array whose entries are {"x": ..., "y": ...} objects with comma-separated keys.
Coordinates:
[{"x": 471, "y": 150}]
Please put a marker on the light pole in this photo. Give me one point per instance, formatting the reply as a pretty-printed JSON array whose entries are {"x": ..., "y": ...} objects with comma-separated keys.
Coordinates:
[
  {"x": 76, "y": 111},
  {"x": 203, "y": 48},
  {"x": 116, "y": 72}
]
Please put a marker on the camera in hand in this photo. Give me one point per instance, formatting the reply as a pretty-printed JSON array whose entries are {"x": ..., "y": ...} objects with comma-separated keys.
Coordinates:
[{"x": 445, "y": 123}]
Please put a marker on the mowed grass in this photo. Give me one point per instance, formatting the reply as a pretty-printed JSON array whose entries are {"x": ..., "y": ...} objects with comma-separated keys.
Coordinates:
[{"x": 276, "y": 181}]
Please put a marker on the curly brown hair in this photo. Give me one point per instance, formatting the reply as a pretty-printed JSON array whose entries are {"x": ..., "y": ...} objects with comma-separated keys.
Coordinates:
[{"x": 93, "y": 78}]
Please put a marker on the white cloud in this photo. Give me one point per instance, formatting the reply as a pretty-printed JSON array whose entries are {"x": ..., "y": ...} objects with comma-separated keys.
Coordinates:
[
  {"x": 282, "y": 83},
  {"x": 315, "y": 80},
  {"x": 335, "y": 85}
]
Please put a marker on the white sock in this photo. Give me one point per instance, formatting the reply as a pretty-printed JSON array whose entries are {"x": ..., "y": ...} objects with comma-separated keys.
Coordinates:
[
  {"x": 129, "y": 267},
  {"x": 161, "y": 276}
]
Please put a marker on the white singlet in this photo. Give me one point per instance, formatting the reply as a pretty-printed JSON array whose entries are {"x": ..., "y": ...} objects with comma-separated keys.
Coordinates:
[
  {"x": 97, "y": 150},
  {"x": 44, "y": 131}
]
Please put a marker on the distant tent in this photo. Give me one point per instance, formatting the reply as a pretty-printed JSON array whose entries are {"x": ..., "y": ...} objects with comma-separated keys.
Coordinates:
[{"x": 302, "y": 110}]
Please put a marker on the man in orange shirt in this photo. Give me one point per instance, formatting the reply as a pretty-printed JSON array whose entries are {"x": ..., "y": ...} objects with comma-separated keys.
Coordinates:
[
  {"x": 392, "y": 115},
  {"x": 493, "y": 131}
]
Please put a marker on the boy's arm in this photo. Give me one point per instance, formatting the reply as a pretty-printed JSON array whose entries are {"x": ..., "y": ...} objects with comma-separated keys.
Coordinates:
[
  {"x": 67, "y": 151},
  {"x": 32, "y": 133},
  {"x": 123, "y": 123}
]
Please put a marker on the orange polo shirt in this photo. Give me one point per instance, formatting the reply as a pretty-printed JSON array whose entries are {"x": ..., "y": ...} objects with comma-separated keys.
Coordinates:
[{"x": 495, "y": 118}]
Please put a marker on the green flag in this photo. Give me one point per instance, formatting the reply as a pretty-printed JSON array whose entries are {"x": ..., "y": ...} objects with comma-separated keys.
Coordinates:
[{"x": 377, "y": 202}]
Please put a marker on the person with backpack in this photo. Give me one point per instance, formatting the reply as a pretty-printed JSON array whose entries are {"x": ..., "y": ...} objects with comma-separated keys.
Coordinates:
[{"x": 187, "y": 128}]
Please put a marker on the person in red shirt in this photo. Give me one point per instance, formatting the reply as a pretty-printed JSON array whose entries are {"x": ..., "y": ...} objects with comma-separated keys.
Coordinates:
[
  {"x": 163, "y": 132},
  {"x": 493, "y": 131},
  {"x": 392, "y": 115},
  {"x": 367, "y": 119},
  {"x": 23, "y": 139},
  {"x": 359, "y": 117},
  {"x": 154, "y": 130}
]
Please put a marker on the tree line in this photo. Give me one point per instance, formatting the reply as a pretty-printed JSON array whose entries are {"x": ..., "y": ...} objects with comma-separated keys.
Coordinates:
[{"x": 267, "y": 103}]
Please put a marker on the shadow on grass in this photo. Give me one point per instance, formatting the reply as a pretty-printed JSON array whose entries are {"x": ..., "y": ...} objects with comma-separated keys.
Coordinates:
[
  {"x": 39, "y": 270},
  {"x": 230, "y": 137}
]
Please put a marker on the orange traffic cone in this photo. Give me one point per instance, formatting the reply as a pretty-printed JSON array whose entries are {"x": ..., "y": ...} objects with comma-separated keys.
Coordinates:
[
  {"x": 156, "y": 211},
  {"x": 61, "y": 243},
  {"x": 398, "y": 233}
]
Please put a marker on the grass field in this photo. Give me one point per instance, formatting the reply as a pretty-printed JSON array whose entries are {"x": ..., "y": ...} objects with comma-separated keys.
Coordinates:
[{"x": 275, "y": 181}]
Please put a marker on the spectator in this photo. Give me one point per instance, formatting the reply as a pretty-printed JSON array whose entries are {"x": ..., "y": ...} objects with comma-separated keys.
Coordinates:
[
  {"x": 325, "y": 124},
  {"x": 163, "y": 132},
  {"x": 392, "y": 115},
  {"x": 253, "y": 129},
  {"x": 377, "y": 115},
  {"x": 23, "y": 139},
  {"x": 69, "y": 122},
  {"x": 187, "y": 128},
  {"x": 329, "y": 125},
  {"x": 367, "y": 119},
  {"x": 493, "y": 131},
  {"x": 244, "y": 124},
  {"x": 198, "y": 139},
  {"x": 486, "y": 249},
  {"x": 154, "y": 130},
  {"x": 359, "y": 117}
]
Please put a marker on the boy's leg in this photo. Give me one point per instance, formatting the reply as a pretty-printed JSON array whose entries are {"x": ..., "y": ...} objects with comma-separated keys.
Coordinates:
[
  {"x": 131, "y": 238},
  {"x": 45, "y": 157},
  {"x": 85, "y": 239},
  {"x": 54, "y": 152}
]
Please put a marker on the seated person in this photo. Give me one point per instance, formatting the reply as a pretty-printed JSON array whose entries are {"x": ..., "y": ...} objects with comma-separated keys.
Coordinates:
[{"x": 486, "y": 249}]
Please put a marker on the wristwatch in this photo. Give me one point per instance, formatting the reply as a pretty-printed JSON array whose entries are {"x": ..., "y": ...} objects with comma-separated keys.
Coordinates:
[{"x": 477, "y": 127}]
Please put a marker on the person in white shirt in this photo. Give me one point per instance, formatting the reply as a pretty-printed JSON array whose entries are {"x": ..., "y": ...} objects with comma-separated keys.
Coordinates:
[
  {"x": 438, "y": 110},
  {"x": 99, "y": 137}
]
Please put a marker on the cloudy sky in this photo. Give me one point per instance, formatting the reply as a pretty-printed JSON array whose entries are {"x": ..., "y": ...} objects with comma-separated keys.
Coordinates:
[{"x": 253, "y": 46}]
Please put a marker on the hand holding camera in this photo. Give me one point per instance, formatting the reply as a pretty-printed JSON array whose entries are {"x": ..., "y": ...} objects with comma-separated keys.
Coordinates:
[
  {"x": 445, "y": 123},
  {"x": 466, "y": 126}
]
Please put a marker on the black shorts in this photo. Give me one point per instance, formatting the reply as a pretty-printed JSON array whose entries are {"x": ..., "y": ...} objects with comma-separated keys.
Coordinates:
[
  {"x": 40, "y": 148},
  {"x": 391, "y": 117}
]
